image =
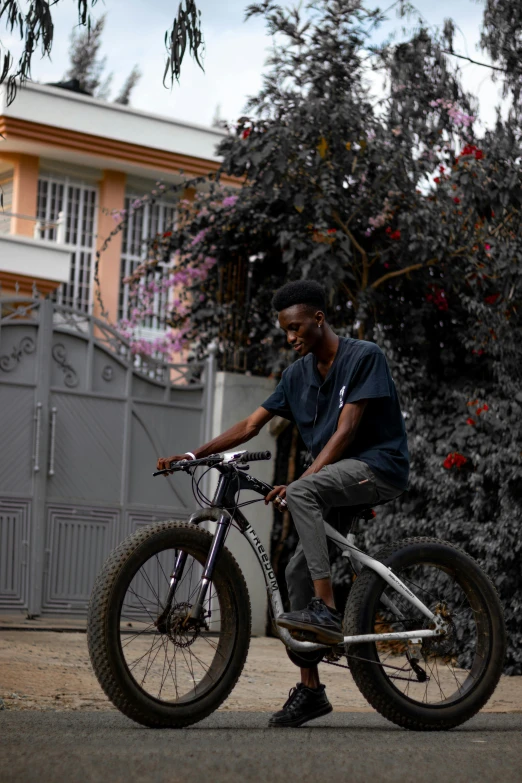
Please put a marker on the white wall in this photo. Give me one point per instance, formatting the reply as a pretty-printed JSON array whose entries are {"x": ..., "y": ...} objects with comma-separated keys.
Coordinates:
[
  {"x": 236, "y": 396},
  {"x": 35, "y": 258},
  {"x": 73, "y": 111}
]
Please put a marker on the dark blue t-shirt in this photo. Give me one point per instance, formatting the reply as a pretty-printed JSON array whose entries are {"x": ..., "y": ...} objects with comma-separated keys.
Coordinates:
[{"x": 359, "y": 372}]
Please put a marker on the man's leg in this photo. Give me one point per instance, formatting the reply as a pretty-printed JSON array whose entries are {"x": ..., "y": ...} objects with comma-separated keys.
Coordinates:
[
  {"x": 308, "y": 699},
  {"x": 300, "y": 591},
  {"x": 349, "y": 482}
]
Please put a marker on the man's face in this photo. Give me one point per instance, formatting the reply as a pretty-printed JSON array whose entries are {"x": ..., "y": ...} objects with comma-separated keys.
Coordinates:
[{"x": 303, "y": 327}]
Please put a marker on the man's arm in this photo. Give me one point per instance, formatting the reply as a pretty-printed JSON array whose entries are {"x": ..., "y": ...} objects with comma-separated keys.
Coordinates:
[
  {"x": 241, "y": 432},
  {"x": 347, "y": 425}
]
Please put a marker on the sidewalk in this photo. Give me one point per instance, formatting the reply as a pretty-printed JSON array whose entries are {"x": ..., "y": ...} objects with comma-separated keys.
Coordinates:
[{"x": 42, "y": 670}]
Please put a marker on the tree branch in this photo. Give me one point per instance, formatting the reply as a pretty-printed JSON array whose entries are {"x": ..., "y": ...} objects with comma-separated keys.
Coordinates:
[
  {"x": 475, "y": 62},
  {"x": 413, "y": 267},
  {"x": 353, "y": 240}
]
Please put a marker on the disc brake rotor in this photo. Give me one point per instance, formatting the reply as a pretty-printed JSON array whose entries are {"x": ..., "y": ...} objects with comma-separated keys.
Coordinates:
[{"x": 181, "y": 630}]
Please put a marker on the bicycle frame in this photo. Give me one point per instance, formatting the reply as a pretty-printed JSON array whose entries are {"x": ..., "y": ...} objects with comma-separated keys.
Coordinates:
[{"x": 230, "y": 482}]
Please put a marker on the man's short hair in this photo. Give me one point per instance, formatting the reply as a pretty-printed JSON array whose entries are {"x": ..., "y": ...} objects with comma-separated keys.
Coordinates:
[{"x": 306, "y": 292}]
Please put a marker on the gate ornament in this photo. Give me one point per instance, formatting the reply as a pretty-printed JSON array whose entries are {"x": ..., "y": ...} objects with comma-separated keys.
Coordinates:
[
  {"x": 107, "y": 373},
  {"x": 9, "y": 361},
  {"x": 60, "y": 357}
]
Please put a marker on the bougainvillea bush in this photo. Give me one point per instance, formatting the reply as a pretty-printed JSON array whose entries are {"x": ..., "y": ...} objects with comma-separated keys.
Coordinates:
[{"x": 409, "y": 213}]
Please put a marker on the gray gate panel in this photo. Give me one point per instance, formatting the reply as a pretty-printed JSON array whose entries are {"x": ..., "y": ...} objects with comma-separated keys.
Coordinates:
[
  {"x": 109, "y": 376},
  {"x": 157, "y": 431},
  {"x": 82, "y": 423},
  {"x": 78, "y": 542},
  {"x": 69, "y": 361},
  {"x": 85, "y": 461},
  {"x": 14, "y": 543},
  {"x": 18, "y": 354},
  {"x": 147, "y": 388},
  {"x": 18, "y": 434}
]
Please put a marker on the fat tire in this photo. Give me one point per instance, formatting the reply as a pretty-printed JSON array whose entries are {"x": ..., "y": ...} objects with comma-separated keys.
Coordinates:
[
  {"x": 111, "y": 671},
  {"x": 369, "y": 678}
]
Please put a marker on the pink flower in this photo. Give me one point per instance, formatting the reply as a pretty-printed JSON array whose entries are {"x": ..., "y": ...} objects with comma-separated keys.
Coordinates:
[
  {"x": 200, "y": 236},
  {"x": 230, "y": 201}
]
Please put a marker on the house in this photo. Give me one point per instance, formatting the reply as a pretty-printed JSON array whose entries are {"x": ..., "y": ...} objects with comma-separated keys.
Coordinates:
[{"x": 68, "y": 164}]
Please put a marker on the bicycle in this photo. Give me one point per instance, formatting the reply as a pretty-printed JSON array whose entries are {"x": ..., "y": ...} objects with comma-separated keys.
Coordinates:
[{"x": 169, "y": 618}]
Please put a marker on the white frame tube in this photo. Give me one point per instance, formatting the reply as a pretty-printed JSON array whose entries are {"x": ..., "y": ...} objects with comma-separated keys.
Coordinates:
[{"x": 351, "y": 551}]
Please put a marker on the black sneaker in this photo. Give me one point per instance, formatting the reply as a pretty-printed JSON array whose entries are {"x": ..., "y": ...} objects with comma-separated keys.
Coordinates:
[
  {"x": 318, "y": 619},
  {"x": 303, "y": 704}
]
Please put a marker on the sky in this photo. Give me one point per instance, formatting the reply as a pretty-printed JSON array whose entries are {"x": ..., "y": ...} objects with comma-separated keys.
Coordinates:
[{"x": 235, "y": 53}]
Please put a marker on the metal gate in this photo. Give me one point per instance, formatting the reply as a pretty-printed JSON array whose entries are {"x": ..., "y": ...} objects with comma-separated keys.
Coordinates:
[{"x": 81, "y": 428}]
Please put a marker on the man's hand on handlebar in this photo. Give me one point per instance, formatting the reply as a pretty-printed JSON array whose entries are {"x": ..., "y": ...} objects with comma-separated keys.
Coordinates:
[
  {"x": 278, "y": 496},
  {"x": 164, "y": 462}
]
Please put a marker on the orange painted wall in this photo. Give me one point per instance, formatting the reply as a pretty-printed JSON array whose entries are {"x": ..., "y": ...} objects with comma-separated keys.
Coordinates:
[
  {"x": 25, "y": 191},
  {"x": 111, "y": 197}
]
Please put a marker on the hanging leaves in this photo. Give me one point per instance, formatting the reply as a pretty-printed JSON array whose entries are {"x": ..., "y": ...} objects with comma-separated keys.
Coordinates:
[
  {"x": 36, "y": 30},
  {"x": 185, "y": 29}
]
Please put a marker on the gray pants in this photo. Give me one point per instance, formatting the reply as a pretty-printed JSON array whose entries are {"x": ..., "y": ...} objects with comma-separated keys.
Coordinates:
[{"x": 309, "y": 500}]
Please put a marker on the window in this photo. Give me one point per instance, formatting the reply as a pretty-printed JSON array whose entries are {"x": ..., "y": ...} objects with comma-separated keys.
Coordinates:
[
  {"x": 78, "y": 202},
  {"x": 145, "y": 223}
]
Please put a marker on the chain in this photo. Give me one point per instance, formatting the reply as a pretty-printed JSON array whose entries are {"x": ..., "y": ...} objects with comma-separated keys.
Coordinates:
[{"x": 376, "y": 663}]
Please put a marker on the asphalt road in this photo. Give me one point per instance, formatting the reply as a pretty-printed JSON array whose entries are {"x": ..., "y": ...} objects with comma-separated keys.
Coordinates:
[{"x": 65, "y": 747}]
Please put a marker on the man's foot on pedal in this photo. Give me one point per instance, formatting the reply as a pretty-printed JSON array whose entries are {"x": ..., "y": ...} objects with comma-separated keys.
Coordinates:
[
  {"x": 303, "y": 704},
  {"x": 318, "y": 618}
]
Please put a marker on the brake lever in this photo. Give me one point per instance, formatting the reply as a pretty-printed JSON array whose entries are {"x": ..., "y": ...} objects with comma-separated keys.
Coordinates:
[{"x": 168, "y": 471}]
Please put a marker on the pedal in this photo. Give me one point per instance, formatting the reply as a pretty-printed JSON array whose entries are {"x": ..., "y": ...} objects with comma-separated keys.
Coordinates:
[{"x": 303, "y": 636}]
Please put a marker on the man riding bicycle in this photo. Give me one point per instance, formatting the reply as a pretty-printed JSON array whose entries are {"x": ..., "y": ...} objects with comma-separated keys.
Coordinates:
[{"x": 343, "y": 399}]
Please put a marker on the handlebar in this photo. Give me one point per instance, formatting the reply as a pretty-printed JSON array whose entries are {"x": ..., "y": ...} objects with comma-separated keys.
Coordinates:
[
  {"x": 238, "y": 457},
  {"x": 256, "y": 456}
]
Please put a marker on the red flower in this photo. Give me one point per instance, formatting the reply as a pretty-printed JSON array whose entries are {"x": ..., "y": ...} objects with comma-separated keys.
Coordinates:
[
  {"x": 395, "y": 235},
  {"x": 167, "y": 234},
  {"x": 388, "y": 230},
  {"x": 332, "y": 231},
  {"x": 471, "y": 421},
  {"x": 479, "y": 155},
  {"x": 442, "y": 169},
  {"x": 438, "y": 297},
  {"x": 479, "y": 352},
  {"x": 246, "y": 133},
  {"x": 491, "y": 299},
  {"x": 374, "y": 513},
  {"x": 485, "y": 407},
  {"x": 454, "y": 459},
  {"x": 456, "y": 200},
  {"x": 436, "y": 179}
]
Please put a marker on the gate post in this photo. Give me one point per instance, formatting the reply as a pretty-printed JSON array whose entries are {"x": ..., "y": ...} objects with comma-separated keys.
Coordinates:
[
  {"x": 37, "y": 536},
  {"x": 208, "y": 413},
  {"x": 210, "y": 382}
]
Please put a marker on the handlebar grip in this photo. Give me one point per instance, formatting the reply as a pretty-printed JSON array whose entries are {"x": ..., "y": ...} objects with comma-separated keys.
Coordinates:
[{"x": 256, "y": 456}]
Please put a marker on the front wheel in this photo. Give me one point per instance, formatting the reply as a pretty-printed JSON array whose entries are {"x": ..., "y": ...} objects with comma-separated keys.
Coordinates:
[
  {"x": 441, "y": 682},
  {"x": 159, "y": 667}
]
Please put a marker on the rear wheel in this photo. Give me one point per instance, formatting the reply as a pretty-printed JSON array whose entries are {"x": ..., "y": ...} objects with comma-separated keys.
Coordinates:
[
  {"x": 439, "y": 682},
  {"x": 178, "y": 671}
]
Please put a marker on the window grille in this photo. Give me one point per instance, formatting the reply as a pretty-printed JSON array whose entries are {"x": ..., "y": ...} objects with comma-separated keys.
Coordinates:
[
  {"x": 79, "y": 204},
  {"x": 141, "y": 226}
]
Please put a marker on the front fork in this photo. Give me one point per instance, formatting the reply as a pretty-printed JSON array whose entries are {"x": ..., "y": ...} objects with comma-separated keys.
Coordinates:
[{"x": 197, "y": 611}]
